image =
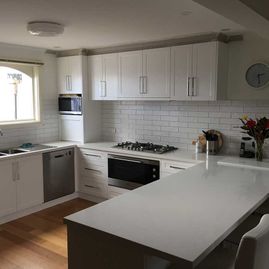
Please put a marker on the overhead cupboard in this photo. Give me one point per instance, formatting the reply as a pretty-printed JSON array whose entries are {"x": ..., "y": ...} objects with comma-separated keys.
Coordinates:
[{"x": 186, "y": 72}]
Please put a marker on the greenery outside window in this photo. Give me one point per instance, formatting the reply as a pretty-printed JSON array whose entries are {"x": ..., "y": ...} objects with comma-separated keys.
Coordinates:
[{"x": 19, "y": 93}]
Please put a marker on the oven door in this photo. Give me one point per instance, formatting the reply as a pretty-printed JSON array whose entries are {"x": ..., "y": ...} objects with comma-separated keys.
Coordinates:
[
  {"x": 130, "y": 173},
  {"x": 70, "y": 104}
]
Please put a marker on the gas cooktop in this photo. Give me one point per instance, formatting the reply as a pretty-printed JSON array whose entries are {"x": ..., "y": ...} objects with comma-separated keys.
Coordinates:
[{"x": 146, "y": 147}]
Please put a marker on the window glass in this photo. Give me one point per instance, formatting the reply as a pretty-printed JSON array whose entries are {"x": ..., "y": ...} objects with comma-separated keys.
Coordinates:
[{"x": 18, "y": 92}]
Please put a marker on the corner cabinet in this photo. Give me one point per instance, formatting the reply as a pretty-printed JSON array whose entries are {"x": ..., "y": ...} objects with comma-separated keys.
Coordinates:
[
  {"x": 199, "y": 72},
  {"x": 145, "y": 74},
  {"x": 69, "y": 71},
  {"x": 21, "y": 184},
  {"x": 103, "y": 76}
]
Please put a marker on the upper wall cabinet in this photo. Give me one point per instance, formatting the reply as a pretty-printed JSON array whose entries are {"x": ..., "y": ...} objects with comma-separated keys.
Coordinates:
[
  {"x": 199, "y": 71},
  {"x": 103, "y": 76},
  {"x": 145, "y": 74},
  {"x": 70, "y": 74}
]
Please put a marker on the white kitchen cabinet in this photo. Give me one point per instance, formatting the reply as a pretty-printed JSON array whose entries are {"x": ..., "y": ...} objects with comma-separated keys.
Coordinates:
[
  {"x": 21, "y": 184},
  {"x": 199, "y": 71},
  {"x": 7, "y": 188},
  {"x": 156, "y": 73},
  {"x": 103, "y": 76},
  {"x": 145, "y": 74},
  {"x": 93, "y": 173},
  {"x": 69, "y": 73},
  {"x": 171, "y": 167},
  {"x": 71, "y": 128},
  {"x": 130, "y": 72},
  {"x": 29, "y": 182}
]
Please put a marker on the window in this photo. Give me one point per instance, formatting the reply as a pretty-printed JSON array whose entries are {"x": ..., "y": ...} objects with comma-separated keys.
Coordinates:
[{"x": 19, "y": 94}]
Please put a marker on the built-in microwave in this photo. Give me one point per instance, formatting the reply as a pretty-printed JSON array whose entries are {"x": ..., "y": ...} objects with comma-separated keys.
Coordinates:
[
  {"x": 130, "y": 173},
  {"x": 70, "y": 104}
]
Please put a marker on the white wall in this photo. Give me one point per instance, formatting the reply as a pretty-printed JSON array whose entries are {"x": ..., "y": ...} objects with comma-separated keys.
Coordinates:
[
  {"x": 242, "y": 54},
  {"x": 48, "y": 129}
]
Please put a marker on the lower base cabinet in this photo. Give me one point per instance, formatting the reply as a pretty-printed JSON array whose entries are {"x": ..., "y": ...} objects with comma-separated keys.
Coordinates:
[
  {"x": 21, "y": 184},
  {"x": 7, "y": 188},
  {"x": 93, "y": 173}
]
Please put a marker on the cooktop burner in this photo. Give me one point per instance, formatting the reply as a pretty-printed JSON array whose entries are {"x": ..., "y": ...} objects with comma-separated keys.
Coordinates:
[{"x": 147, "y": 147}]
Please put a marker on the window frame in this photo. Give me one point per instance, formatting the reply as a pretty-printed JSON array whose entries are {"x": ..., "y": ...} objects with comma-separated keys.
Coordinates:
[{"x": 36, "y": 93}]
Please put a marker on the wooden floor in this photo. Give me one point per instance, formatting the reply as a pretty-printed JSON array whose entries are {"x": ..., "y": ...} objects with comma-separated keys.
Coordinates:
[{"x": 38, "y": 240}]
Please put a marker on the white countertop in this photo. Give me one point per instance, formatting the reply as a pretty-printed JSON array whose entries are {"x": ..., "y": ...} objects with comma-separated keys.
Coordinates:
[
  {"x": 53, "y": 146},
  {"x": 177, "y": 155},
  {"x": 184, "y": 215}
]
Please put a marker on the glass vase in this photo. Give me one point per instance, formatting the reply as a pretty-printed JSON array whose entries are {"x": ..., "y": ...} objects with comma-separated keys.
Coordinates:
[{"x": 259, "y": 150}]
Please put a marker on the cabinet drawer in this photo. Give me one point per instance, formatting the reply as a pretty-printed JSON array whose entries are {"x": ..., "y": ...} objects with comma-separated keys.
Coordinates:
[
  {"x": 174, "y": 167},
  {"x": 92, "y": 166},
  {"x": 93, "y": 178},
  {"x": 94, "y": 188},
  {"x": 92, "y": 155}
]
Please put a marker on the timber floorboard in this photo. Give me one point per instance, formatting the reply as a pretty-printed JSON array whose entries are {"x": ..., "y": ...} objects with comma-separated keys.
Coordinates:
[{"x": 39, "y": 240}]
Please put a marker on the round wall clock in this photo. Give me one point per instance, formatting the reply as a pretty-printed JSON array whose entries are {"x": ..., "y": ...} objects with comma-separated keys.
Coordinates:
[{"x": 257, "y": 75}]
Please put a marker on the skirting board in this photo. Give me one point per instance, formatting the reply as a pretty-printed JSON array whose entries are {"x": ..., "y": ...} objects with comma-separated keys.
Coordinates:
[{"x": 58, "y": 201}]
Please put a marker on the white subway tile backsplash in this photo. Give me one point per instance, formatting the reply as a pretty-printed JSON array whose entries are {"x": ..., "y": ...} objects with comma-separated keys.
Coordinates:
[
  {"x": 46, "y": 131},
  {"x": 178, "y": 122}
]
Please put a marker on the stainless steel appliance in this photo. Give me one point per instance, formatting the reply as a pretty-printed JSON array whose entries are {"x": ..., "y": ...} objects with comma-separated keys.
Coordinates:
[
  {"x": 130, "y": 173},
  {"x": 70, "y": 104},
  {"x": 59, "y": 175},
  {"x": 147, "y": 147}
]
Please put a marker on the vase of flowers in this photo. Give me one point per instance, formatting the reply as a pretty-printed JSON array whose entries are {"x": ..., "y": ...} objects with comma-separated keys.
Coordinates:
[{"x": 259, "y": 130}]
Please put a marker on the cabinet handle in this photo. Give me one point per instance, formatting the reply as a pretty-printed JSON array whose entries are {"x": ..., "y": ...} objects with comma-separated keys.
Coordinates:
[
  {"x": 145, "y": 86},
  {"x": 70, "y": 83},
  {"x": 89, "y": 186},
  {"x": 94, "y": 170},
  {"x": 14, "y": 171},
  {"x": 176, "y": 167},
  {"x": 18, "y": 171},
  {"x": 66, "y": 83},
  {"x": 193, "y": 79},
  {"x": 141, "y": 85},
  {"x": 188, "y": 87},
  {"x": 92, "y": 155}
]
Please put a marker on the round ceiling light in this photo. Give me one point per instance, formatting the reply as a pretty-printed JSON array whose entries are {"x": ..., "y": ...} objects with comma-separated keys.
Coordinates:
[{"x": 43, "y": 28}]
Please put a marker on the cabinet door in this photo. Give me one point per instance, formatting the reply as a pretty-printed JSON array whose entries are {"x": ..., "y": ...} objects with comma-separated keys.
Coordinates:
[
  {"x": 71, "y": 128},
  {"x": 110, "y": 84},
  {"x": 30, "y": 182},
  {"x": 63, "y": 75},
  {"x": 156, "y": 73},
  {"x": 70, "y": 74},
  {"x": 130, "y": 68},
  {"x": 95, "y": 65},
  {"x": 181, "y": 63},
  {"x": 7, "y": 188},
  {"x": 204, "y": 81},
  {"x": 75, "y": 70}
]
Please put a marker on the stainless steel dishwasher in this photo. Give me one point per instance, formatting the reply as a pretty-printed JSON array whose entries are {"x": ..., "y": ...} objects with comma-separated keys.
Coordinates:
[{"x": 59, "y": 174}]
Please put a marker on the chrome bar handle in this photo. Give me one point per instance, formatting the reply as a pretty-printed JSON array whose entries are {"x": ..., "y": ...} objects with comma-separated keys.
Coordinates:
[
  {"x": 141, "y": 85},
  {"x": 188, "y": 88},
  {"x": 193, "y": 86},
  {"x": 145, "y": 84}
]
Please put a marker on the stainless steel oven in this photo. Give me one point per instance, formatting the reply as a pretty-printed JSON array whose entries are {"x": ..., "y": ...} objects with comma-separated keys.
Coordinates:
[
  {"x": 130, "y": 173},
  {"x": 70, "y": 104}
]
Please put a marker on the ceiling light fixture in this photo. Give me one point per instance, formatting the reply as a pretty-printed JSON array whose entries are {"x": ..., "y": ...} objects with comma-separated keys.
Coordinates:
[{"x": 44, "y": 28}]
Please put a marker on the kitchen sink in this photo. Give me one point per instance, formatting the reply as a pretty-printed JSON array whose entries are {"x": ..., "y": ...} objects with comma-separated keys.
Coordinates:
[{"x": 11, "y": 151}]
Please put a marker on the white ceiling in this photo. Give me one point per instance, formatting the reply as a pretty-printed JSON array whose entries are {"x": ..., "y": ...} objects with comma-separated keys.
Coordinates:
[{"x": 101, "y": 23}]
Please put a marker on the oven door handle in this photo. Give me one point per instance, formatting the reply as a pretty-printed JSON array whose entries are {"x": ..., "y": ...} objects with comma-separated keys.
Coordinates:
[{"x": 126, "y": 160}]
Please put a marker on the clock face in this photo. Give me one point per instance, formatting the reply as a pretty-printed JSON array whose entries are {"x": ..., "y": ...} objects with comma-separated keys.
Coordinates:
[{"x": 257, "y": 75}]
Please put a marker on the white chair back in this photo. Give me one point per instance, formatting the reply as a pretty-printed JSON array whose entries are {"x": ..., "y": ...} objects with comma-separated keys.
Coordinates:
[{"x": 253, "y": 252}]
